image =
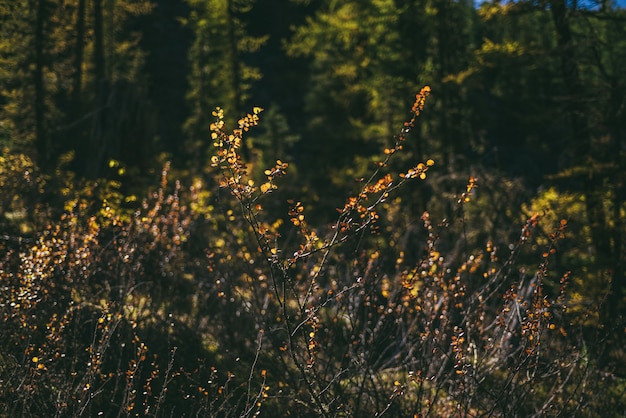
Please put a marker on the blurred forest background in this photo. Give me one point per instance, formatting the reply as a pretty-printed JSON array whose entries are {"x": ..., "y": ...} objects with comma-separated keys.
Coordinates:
[{"x": 133, "y": 283}]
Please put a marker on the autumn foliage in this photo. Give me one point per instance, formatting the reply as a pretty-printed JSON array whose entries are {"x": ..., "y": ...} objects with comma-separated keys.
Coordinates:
[{"x": 206, "y": 300}]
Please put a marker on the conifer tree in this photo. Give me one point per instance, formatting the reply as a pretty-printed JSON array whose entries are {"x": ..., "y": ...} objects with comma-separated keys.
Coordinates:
[{"x": 219, "y": 75}]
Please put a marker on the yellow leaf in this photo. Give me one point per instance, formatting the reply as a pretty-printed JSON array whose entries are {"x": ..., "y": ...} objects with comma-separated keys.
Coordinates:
[{"x": 265, "y": 187}]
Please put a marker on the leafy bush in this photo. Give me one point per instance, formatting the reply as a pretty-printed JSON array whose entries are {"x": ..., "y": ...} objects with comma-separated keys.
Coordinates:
[{"x": 201, "y": 302}]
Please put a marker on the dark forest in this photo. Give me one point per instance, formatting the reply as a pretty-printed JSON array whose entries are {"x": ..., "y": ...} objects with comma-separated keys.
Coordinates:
[{"x": 312, "y": 208}]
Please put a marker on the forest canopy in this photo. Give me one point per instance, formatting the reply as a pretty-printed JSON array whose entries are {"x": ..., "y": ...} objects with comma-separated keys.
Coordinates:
[{"x": 312, "y": 208}]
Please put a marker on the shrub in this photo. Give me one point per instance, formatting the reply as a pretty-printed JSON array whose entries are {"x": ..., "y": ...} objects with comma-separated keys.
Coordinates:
[{"x": 202, "y": 302}]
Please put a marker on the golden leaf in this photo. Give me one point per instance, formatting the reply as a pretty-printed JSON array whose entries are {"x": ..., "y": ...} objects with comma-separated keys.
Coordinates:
[{"x": 265, "y": 187}]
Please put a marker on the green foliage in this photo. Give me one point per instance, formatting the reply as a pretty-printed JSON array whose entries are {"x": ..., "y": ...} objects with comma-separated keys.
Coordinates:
[
  {"x": 219, "y": 73},
  {"x": 57, "y": 85},
  {"x": 16, "y": 87},
  {"x": 358, "y": 90},
  {"x": 22, "y": 184}
]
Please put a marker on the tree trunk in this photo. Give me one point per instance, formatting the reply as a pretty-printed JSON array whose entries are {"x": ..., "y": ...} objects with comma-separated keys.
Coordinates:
[
  {"x": 79, "y": 54},
  {"x": 41, "y": 138},
  {"x": 235, "y": 68},
  {"x": 616, "y": 291},
  {"x": 443, "y": 61},
  {"x": 582, "y": 141},
  {"x": 97, "y": 152},
  {"x": 98, "y": 29}
]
